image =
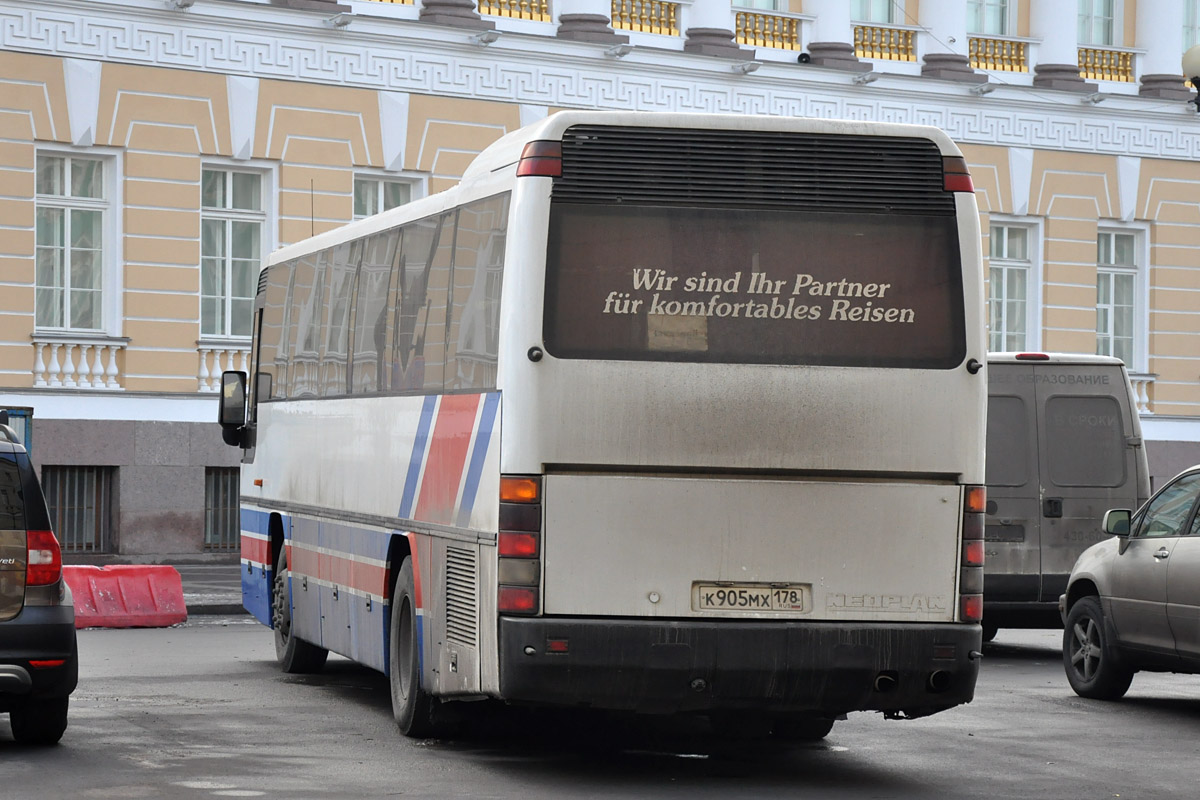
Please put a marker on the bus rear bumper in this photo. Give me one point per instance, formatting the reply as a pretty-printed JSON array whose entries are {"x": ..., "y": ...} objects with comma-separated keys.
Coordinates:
[{"x": 681, "y": 666}]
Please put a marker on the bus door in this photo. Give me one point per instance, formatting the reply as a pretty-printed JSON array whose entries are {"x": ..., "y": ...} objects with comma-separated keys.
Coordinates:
[
  {"x": 1013, "y": 562},
  {"x": 1088, "y": 460}
]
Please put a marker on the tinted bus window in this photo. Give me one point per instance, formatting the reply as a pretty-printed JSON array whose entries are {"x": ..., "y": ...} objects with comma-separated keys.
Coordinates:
[
  {"x": 1007, "y": 441},
  {"x": 1085, "y": 441},
  {"x": 475, "y": 314},
  {"x": 753, "y": 286},
  {"x": 370, "y": 323}
]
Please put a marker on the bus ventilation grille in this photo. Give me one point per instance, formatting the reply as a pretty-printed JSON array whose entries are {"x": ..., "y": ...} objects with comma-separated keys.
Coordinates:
[
  {"x": 462, "y": 605},
  {"x": 781, "y": 170}
]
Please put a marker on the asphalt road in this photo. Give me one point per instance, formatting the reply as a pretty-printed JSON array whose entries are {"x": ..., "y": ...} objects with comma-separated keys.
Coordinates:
[{"x": 201, "y": 711}]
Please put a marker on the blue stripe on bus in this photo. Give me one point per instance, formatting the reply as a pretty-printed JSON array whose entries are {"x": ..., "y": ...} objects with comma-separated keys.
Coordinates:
[
  {"x": 255, "y": 521},
  {"x": 482, "y": 439},
  {"x": 418, "y": 456}
]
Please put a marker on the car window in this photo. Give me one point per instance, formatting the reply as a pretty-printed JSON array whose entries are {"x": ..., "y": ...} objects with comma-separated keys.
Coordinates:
[
  {"x": 12, "y": 506},
  {"x": 1169, "y": 511}
]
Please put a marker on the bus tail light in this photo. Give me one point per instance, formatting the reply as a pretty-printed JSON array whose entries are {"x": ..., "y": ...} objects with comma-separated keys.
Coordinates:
[
  {"x": 541, "y": 158},
  {"x": 44, "y": 564},
  {"x": 519, "y": 544},
  {"x": 970, "y": 581},
  {"x": 955, "y": 175}
]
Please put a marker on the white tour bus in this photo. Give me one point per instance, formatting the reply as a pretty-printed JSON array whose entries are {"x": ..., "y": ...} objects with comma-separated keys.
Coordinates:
[{"x": 661, "y": 413}]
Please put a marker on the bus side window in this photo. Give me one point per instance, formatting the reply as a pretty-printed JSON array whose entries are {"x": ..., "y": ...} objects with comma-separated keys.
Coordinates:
[
  {"x": 475, "y": 310},
  {"x": 370, "y": 321},
  {"x": 419, "y": 318}
]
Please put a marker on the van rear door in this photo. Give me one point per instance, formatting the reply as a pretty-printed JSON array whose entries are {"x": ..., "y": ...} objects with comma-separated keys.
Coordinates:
[
  {"x": 1088, "y": 460},
  {"x": 1013, "y": 564}
]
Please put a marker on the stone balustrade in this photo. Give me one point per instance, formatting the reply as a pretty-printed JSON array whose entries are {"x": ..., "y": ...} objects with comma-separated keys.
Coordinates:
[
  {"x": 77, "y": 361},
  {"x": 1141, "y": 383},
  {"x": 218, "y": 356}
]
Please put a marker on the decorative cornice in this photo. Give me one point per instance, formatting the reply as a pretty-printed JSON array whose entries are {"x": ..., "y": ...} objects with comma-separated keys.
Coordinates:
[{"x": 400, "y": 55}]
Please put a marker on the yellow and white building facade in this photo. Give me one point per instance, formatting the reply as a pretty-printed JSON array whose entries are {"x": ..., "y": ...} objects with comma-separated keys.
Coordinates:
[{"x": 154, "y": 152}]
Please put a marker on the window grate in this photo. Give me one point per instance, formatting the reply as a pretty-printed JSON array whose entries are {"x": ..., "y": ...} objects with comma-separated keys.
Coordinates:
[
  {"x": 222, "y": 509},
  {"x": 80, "y": 503}
]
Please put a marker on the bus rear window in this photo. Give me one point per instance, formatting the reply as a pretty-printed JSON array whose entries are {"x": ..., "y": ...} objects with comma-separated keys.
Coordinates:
[{"x": 654, "y": 283}]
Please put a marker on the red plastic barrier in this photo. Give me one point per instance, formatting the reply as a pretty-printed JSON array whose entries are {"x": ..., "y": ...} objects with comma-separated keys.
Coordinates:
[{"x": 126, "y": 596}]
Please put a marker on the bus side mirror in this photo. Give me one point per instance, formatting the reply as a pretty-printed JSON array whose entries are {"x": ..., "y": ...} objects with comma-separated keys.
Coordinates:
[
  {"x": 1116, "y": 522},
  {"x": 231, "y": 410}
]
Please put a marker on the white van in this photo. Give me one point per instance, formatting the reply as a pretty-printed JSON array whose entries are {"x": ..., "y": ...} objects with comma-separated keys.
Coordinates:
[{"x": 1064, "y": 445}]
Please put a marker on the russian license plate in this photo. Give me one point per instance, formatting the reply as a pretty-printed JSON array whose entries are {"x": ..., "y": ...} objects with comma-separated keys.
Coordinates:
[{"x": 791, "y": 597}]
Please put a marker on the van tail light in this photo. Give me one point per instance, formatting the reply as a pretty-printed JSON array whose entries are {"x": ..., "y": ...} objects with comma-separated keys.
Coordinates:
[
  {"x": 44, "y": 565},
  {"x": 519, "y": 545},
  {"x": 970, "y": 575}
]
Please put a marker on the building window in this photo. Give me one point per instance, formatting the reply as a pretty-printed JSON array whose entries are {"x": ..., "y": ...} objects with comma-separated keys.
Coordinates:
[
  {"x": 70, "y": 242},
  {"x": 222, "y": 520},
  {"x": 1008, "y": 288},
  {"x": 231, "y": 242},
  {"x": 760, "y": 5},
  {"x": 987, "y": 17},
  {"x": 1096, "y": 22},
  {"x": 373, "y": 195},
  {"x": 80, "y": 504},
  {"x": 1191, "y": 23},
  {"x": 880, "y": 11},
  {"x": 1116, "y": 296}
]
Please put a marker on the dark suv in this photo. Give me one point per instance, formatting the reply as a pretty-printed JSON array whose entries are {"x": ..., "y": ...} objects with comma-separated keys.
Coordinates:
[{"x": 39, "y": 661}]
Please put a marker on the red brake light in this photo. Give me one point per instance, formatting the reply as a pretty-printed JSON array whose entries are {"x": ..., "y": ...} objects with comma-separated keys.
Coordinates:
[
  {"x": 973, "y": 553},
  {"x": 1032, "y": 357},
  {"x": 955, "y": 175},
  {"x": 517, "y": 600},
  {"x": 971, "y": 608},
  {"x": 513, "y": 544},
  {"x": 45, "y": 559},
  {"x": 48, "y": 663},
  {"x": 541, "y": 158}
]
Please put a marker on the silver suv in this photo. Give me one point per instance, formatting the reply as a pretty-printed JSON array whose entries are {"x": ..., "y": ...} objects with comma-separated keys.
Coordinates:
[
  {"x": 39, "y": 661},
  {"x": 1133, "y": 601}
]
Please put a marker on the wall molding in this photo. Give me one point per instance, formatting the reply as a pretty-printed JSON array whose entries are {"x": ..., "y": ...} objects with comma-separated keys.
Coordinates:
[{"x": 255, "y": 40}]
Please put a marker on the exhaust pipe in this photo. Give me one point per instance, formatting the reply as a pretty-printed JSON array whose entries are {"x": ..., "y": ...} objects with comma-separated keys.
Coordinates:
[
  {"x": 885, "y": 682},
  {"x": 939, "y": 681}
]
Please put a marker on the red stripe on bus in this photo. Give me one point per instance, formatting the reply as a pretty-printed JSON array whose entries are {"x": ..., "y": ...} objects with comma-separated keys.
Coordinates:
[
  {"x": 255, "y": 550},
  {"x": 339, "y": 570},
  {"x": 447, "y": 457}
]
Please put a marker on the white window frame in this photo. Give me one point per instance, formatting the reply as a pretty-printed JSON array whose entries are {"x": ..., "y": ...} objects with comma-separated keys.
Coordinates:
[
  {"x": 1191, "y": 24},
  {"x": 1007, "y": 17},
  {"x": 267, "y": 216},
  {"x": 416, "y": 185},
  {"x": 1141, "y": 287},
  {"x": 112, "y": 273},
  {"x": 1090, "y": 40},
  {"x": 895, "y": 13},
  {"x": 1033, "y": 286}
]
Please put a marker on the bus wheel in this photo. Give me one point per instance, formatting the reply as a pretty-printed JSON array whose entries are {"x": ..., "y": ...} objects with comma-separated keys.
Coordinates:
[
  {"x": 802, "y": 729},
  {"x": 417, "y": 713},
  {"x": 294, "y": 655},
  {"x": 1093, "y": 668}
]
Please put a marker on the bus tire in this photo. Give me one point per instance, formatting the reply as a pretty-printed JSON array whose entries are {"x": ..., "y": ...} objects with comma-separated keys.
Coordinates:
[
  {"x": 802, "y": 729},
  {"x": 418, "y": 714},
  {"x": 294, "y": 655},
  {"x": 1094, "y": 668}
]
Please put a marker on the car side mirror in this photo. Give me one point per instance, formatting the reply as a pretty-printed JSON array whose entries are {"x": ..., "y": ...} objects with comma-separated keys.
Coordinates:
[
  {"x": 1116, "y": 522},
  {"x": 231, "y": 408}
]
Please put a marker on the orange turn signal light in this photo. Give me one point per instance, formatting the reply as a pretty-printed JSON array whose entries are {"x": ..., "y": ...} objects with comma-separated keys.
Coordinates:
[
  {"x": 520, "y": 488},
  {"x": 976, "y": 500}
]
